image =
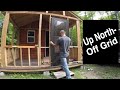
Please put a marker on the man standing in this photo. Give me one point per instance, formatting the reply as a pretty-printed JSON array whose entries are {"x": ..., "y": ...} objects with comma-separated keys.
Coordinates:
[{"x": 63, "y": 42}]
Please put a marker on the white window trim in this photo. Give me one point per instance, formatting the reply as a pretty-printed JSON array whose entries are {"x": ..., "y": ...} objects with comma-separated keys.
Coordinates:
[{"x": 31, "y": 36}]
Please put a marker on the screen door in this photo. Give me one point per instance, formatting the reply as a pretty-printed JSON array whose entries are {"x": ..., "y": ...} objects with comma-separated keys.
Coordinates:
[{"x": 57, "y": 24}]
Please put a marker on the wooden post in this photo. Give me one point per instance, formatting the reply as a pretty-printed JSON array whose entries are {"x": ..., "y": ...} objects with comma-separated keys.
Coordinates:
[
  {"x": 15, "y": 57},
  {"x": 39, "y": 40},
  {"x": 79, "y": 40},
  {"x": 3, "y": 38},
  {"x": 64, "y": 13},
  {"x": 6, "y": 57},
  {"x": 38, "y": 56},
  {"x": 13, "y": 54},
  {"x": 21, "y": 57},
  {"x": 29, "y": 56},
  {"x": 49, "y": 39}
]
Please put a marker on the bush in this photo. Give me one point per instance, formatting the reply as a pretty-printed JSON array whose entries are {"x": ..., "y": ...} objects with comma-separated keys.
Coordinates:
[{"x": 73, "y": 34}]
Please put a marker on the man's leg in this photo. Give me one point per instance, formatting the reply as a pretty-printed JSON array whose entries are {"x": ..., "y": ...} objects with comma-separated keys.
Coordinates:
[{"x": 65, "y": 67}]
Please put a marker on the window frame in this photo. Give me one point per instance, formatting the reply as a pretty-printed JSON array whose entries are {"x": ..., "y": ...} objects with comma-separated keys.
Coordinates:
[{"x": 31, "y": 36}]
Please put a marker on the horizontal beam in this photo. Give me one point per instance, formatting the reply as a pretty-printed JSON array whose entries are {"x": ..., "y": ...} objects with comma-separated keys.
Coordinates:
[
  {"x": 20, "y": 46},
  {"x": 33, "y": 69},
  {"x": 32, "y": 12},
  {"x": 7, "y": 46},
  {"x": 73, "y": 46}
]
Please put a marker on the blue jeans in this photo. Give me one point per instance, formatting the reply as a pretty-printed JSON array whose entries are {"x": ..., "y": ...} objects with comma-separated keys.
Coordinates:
[{"x": 65, "y": 67}]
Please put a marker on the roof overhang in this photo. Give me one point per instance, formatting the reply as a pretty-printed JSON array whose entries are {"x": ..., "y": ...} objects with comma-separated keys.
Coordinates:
[{"x": 22, "y": 19}]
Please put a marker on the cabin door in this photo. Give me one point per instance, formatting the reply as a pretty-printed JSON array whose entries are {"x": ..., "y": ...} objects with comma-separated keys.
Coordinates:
[{"x": 57, "y": 24}]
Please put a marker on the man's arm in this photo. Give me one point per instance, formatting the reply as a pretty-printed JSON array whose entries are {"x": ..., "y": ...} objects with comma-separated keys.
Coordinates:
[{"x": 53, "y": 44}]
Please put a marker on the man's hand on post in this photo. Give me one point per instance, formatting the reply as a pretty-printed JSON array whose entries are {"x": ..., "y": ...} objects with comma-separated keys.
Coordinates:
[{"x": 52, "y": 43}]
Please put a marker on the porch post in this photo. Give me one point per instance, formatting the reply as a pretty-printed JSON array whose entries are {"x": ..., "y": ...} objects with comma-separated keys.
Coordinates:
[
  {"x": 50, "y": 39},
  {"x": 64, "y": 13},
  {"x": 3, "y": 39},
  {"x": 39, "y": 40},
  {"x": 79, "y": 40}
]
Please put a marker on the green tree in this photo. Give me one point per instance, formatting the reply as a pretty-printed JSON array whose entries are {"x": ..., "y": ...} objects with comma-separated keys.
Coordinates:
[
  {"x": 9, "y": 31},
  {"x": 73, "y": 35},
  {"x": 1, "y": 23},
  {"x": 88, "y": 15}
]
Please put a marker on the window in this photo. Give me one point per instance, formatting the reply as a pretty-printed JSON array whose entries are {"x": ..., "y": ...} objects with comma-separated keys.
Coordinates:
[{"x": 31, "y": 36}]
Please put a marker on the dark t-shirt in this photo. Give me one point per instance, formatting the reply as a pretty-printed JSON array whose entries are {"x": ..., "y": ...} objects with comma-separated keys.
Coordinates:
[{"x": 64, "y": 43}]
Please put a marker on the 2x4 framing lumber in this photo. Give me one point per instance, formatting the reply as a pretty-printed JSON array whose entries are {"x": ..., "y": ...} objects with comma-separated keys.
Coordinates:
[
  {"x": 15, "y": 57},
  {"x": 21, "y": 57},
  {"x": 49, "y": 38},
  {"x": 39, "y": 40},
  {"x": 13, "y": 54},
  {"x": 29, "y": 56},
  {"x": 38, "y": 56},
  {"x": 35, "y": 69},
  {"x": 3, "y": 38},
  {"x": 5, "y": 57},
  {"x": 64, "y": 13},
  {"x": 19, "y": 46},
  {"x": 79, "y": 40},
  {"x": 43, "y": 13}
]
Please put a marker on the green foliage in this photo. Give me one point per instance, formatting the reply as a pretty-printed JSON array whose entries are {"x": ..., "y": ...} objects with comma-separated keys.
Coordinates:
[
  {"x": 27, "y": 76},
  {"x": 81, "y": 31},
  {"x": 73, "y": 35},
  {"x": 111, "y": 15},
  {"x": 1, "y": 22},
  {"x": 9, "y": 32},
  {"x": 88, "y": 15},
  {"x": 73, "y": 31}
]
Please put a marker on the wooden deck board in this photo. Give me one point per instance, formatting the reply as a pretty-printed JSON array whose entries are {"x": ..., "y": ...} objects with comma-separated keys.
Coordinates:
[
  {"x": 35, "y": 69},
  {"x": 61, "y": 74}
]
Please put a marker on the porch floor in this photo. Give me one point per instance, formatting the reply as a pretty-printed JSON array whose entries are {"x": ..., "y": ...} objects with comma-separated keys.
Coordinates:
[
  {"x": 35, "y": 69},
  {"x": 34, "y": 66},
  {"x": 33, "y": 62}
]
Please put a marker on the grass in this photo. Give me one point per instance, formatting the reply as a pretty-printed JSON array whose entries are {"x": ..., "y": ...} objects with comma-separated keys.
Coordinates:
[
  {"x": 109, "y": 72},
  {"x": 26, "y": 76},
  {"x": 77, "y": 72},
  {"x": 104, "y": 71},
  {"x": 97, "y": 72}
]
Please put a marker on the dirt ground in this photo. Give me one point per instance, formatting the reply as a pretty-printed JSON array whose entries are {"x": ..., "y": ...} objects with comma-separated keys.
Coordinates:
[{"x": 100, "y": 71}]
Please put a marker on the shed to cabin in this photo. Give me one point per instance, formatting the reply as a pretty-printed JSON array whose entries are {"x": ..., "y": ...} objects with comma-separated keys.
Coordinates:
[{"x": 33, "y": 30}]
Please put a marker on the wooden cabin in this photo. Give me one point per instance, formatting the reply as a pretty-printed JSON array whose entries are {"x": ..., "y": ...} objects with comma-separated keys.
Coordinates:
[{"x": 34, "y": 30}]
